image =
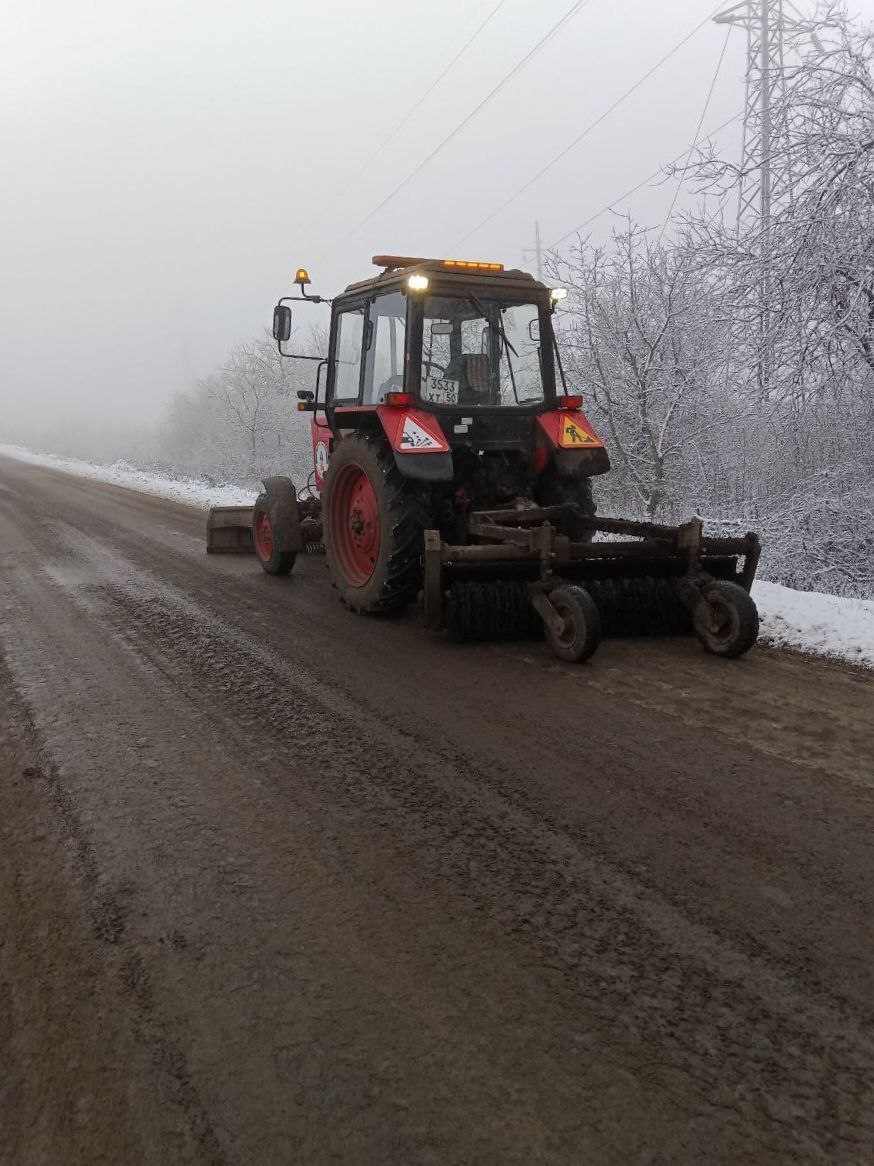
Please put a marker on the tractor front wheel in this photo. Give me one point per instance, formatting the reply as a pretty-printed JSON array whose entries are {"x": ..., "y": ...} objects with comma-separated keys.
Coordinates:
[
  {"x": 274, "y": 561},
  {"x": 374, "y": 523}
]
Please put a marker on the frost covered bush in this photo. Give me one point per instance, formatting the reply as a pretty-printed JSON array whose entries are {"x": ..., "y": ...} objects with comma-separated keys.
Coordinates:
[{"x": 240, "y": 423}]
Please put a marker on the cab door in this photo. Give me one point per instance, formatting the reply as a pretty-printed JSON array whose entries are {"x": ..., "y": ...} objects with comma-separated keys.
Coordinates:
[{"x": 343, "y": 382}]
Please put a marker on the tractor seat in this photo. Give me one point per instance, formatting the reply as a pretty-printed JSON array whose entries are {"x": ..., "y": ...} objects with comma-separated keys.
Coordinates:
[
  {"x": 478, "y": 373},
  {"x": 474, "y": 374}
]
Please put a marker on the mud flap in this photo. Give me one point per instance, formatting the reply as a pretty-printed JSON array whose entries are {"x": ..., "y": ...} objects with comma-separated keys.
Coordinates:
[
  {"x": 418, "y": 443},
  {"x": 434, "y": 467}
]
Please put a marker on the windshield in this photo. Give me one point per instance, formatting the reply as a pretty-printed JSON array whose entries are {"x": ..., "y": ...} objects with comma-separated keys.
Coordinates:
[{"x": 481, "y": 352}]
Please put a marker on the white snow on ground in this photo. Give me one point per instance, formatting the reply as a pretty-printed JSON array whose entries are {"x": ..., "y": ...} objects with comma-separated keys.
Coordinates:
[
  {"x": 189, "y": 491},
  {"x": 808, "y": 621},
  {"x": 826, "y": 625}
]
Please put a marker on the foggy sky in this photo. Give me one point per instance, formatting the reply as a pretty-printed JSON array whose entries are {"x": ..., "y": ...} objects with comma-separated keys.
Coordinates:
[{"x": 167, "y": 166}]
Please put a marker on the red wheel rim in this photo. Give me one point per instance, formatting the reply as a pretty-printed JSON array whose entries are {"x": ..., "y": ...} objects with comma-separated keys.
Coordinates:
[
  {"x": 354, "y": 519},
  {"x": 263, "y": 535}
]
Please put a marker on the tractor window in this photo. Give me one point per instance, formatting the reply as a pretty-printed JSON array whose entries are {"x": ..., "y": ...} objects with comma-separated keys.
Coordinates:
[
  {"x": 347, "y": 358},
  {"x": 481, "y": 352},
  {"x": 384, "y": 361}
]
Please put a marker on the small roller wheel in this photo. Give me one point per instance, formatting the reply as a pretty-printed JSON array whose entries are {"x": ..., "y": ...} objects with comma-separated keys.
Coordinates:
[
  {"x": 581, "y": 633},
  {"x": 274, "y": 562},
  {"x": 726, "y": 621}
]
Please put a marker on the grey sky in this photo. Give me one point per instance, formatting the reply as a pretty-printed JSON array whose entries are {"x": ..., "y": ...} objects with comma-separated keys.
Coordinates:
[{"x": 166, "y": 166}]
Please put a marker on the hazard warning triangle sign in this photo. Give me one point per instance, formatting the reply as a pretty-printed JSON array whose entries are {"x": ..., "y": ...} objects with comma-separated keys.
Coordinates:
[
  {"x": 574, "y": 434},
  {"x": 413, "y": 436}
]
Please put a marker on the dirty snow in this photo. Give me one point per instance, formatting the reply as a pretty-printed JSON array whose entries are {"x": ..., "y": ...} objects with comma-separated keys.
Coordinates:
[
  {"x": 189, "y": 491},
  {"x": 810, "y": 621},
  {"x": 807, "y": 621}
]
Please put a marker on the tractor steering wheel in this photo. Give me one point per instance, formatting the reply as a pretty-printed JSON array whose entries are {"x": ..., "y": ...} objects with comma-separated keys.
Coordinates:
[{"x": 429, "y": 365}]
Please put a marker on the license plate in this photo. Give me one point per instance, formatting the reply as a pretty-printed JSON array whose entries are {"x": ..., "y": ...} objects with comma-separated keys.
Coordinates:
[{"x": 440, "y": 391}]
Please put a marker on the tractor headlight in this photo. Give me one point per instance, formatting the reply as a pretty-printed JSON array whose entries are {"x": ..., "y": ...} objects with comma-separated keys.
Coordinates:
[
  {"x": 558, "y": 293},
  {"x": 417, "y": 282}
]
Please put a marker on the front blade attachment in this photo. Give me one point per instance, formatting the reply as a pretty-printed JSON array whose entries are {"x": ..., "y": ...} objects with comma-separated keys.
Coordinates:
[{"x": 229, "y": 531}]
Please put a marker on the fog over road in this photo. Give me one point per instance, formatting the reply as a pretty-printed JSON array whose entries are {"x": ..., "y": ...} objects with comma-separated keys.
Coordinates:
[{"x": 279, "y": 884}]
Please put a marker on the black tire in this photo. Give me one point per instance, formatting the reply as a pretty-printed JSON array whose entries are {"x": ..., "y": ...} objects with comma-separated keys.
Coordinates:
[
  {"x": 727, "y": 620},
  {"x": 582, "y": 633},
  {"x": 273, "y": 561},
  {"x": 553, "y": 490},
  {"x": 395, "y": 556}
]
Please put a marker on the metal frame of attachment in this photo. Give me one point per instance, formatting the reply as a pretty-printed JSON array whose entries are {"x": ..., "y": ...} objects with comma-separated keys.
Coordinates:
[{"x": 528, "y": 543}]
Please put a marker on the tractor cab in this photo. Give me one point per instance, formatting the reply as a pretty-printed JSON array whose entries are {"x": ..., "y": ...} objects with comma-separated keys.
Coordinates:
[{"x": 451, "y": 335}]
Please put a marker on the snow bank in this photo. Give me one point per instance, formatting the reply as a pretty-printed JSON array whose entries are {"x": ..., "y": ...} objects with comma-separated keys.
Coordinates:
[
  {"x": 808, "y": 621},
  {"x": 826, "y": 625},
  {"x": 189, "y": 491}
]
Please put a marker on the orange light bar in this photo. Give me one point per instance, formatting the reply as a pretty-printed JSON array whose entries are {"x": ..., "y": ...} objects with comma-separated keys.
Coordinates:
[{"x": 469, "y": 265}]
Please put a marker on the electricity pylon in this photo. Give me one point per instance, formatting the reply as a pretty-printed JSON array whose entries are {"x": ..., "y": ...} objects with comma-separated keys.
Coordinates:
[
  {"x": 763, "y": 21},
  {"x": 767, "y": 170},
  {"x": 767, "y": 173},
  {"x": 536, "y": 251}
]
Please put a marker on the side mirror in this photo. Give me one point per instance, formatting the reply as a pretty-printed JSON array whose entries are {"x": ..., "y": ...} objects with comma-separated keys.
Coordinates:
[
  {"x": 281, "y": 323},
  {"x": 534, "y": 330}
]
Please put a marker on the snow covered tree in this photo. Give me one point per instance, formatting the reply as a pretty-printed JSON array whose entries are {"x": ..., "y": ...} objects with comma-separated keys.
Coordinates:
[{"x": 640, "y": 337}]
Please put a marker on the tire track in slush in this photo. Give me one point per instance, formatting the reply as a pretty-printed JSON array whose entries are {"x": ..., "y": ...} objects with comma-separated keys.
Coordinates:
[{"x": 121, "y": 960}]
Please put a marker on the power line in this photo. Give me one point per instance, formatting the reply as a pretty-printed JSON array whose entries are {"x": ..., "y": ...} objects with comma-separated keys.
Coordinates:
[
  {"x": 697, "y": 132},
  {"x": 517, "y": 68},
  {"x": 589, "y": 128},
  {"x": 651, "y": 178},
  {"x": 373, "y": 155}
]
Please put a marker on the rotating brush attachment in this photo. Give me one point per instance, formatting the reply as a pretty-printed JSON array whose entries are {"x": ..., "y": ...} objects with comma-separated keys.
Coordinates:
[
  {"x": 490, "y": 610},
  {"x": 645, "y": 606}
]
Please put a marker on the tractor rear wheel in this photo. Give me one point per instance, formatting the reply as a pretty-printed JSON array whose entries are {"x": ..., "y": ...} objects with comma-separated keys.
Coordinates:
[
  {"x": 553, "y": 490},
  {"x": 374, "y": 523},
  {"x": 274, "y": 562}
]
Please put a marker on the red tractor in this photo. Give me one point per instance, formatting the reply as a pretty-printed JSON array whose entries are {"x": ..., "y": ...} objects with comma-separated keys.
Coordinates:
[{"x": 451, "y": 460}]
